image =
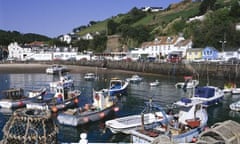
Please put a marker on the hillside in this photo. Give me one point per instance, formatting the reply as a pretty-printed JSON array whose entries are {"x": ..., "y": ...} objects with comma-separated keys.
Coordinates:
[{"x": 136, "y": 26}]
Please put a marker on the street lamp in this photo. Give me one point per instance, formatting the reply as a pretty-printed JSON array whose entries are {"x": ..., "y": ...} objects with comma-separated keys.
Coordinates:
[{"x": 223, "y": 43}]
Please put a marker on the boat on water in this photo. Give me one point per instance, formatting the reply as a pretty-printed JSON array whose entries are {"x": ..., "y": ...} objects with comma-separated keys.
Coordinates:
[
  {"x": 61, "y": 98},
  {"x": 155, "y": 83},
  {"x": 134, "y": 79},
  {"x": 102, "y": 106},
  {"x": 16, "y": 97},
  {"x": 186, "y": 125},
  {"x": 65, "y": 81},
  {"x": 149, "y": 116},
  {"x": 90, "y": 76},
  {"x": 208, "y": 95},
  {"x": 56, "y": 69},
  {"x": 188, "y": 83},
  {"x": 235, "y": 106},
  {"x": 116, "y": 87}
]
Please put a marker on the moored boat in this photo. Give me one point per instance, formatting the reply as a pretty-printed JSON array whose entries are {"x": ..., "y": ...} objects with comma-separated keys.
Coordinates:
[
  {"x": 101, "y": 107},
  {"x": 155, "y": 83},
  {"x": 235, "y": 106},
  {"x": 56, "y": 69},
  {"x": 65, "y": 81},
  {"x": 16, "y": 98},
  {"x": 188, "y": 83},
  {"x": 116, "y": 87},
  {"x": 128, "y": 123},
  {"x": 186, "y": 126},
  {"x": 90, "y": 76},
  {"x": 134, "y": 79},
  {"x": 60, "y": 99},
  {"x": 208, "y": 95}
]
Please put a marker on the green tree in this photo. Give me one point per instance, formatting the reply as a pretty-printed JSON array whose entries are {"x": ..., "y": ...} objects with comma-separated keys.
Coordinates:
[{"x": 206, "y": 5}]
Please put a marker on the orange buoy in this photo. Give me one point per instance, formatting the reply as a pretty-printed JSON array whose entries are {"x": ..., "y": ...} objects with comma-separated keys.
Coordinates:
[{"x": 76, "y": 101}]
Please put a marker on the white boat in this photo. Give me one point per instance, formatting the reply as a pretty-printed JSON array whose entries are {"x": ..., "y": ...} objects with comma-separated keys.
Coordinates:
[
  {"x": 64, "y": 81},
  {"x": 16, "y": 98},
  {"x": 186, "y": 125},
  {"x": 235, "y": 91},
  {"x": 155, "y": 83},
  {"x": 134, "y": 79},
  {"x": 101, "y": 107},
  {"x": 56, "y": 69},
  {"x": 128, "y": 123},
  {"x": 60, "y": 99},
  {"x": 116, "y": 87},
  {"x": 235, "y": 106},
  {"x": 90, "y": 76},
  {"x": 208, "y": 95},
  {"x": 188, "y": 83}
]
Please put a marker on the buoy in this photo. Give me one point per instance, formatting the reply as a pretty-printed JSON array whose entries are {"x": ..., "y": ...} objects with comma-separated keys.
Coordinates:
[
  {"x": 76, "y": 101},
  {"x": 101, "y": 114},
  {"x": 116, "y": 109},
  {"x": 54, "y": 109},
  {"x": 20, "y": 104}
]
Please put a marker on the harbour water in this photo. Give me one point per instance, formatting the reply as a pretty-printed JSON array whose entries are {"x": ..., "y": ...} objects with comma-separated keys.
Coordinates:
[{"x": 132, "y": 103}]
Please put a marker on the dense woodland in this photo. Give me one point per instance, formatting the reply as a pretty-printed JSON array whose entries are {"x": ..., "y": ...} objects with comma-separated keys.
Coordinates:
[{"x": 136, "y": 26}]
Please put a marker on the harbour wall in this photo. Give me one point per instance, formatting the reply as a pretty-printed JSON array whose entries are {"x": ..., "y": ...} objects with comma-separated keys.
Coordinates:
[{"x": 229, "y": 72}]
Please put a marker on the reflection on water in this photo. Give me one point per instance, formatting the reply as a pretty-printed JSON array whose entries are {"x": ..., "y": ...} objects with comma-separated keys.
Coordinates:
[{"x": 164, "y": 94}]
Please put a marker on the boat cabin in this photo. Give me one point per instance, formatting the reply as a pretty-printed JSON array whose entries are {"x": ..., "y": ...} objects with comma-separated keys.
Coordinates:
[
  {"x": 116, "y": 83},
  {"x": 13, "y": 93}
]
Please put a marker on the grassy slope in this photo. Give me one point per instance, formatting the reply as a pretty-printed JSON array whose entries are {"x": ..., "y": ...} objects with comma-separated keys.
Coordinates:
[{"x": 185, "y": 11}]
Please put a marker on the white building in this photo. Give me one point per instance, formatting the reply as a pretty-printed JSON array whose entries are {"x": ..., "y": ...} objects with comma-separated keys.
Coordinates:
[
  {"x": 17, "y": 52},
  {"x": 164, "y": 45},
  {"x": 87, "y": 36},
  {"x": 66, "y": 38}
]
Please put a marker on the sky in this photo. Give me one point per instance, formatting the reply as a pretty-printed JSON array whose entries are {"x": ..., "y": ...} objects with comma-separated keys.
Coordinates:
[{"x": 56, "y": 17}]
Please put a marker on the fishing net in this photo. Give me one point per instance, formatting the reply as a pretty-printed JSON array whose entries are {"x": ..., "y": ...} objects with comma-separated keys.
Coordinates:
[{"x": 30, "y": 126}]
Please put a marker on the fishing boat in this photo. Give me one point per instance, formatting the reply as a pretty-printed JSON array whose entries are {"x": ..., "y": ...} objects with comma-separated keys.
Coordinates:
[
  {"x": 65, "y": 81},
  {"x": 186, "y": 125},
  {"x": 155, "y": 83},
  {"x": 188, "y": 83},
  {"x": 90, "y": 76},
  {"x": 102, "y": 106},
  {"x": 60, "y": 99},
  {"x": 56, "y": 69},
  {"x": 235, "y": 106},
  {"x": 16, "y": 97},
  {"x": 208, "y": 95},
  {"x": 151, "y": 115},
  {"x": 116, "y": 87},
  {"x": 134, "y": 79}
]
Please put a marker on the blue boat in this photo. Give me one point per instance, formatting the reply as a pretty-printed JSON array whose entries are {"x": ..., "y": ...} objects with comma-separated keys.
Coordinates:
[
  {"x": 116, "y": 87},
  {"x": 208, "y": 95}
]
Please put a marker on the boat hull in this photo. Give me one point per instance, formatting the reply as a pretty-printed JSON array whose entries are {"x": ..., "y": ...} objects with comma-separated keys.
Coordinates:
[{"x": 83, "y": 118}]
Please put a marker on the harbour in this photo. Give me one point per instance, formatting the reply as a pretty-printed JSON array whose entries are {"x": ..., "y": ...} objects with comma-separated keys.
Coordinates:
[{"x": 132, "y": 103}]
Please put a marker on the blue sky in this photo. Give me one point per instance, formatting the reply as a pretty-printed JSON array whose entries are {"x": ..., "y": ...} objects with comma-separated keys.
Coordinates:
[{"x": 55, "y": 17}]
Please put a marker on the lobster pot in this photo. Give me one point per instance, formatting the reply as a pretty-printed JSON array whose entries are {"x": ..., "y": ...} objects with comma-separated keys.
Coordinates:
[
  {"x": 30, "y": 126},
  {"x": 226, "y": 132}
]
